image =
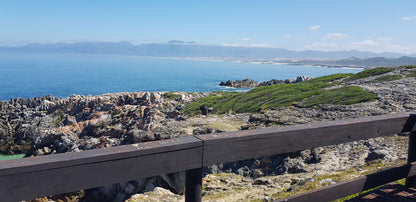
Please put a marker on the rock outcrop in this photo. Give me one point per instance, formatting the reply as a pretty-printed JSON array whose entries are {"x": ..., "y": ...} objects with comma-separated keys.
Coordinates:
[
  {"x": 246, "y": 83},
  {"x": 274, "y": 81},
  {"x": 48, "y": 125},
  {"x": 21, "y": 120},
  {"x": 249, "y": 83}
]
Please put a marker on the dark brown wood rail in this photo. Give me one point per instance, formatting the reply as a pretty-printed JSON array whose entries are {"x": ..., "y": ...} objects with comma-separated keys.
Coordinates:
[{"x": 28, "y": 178}]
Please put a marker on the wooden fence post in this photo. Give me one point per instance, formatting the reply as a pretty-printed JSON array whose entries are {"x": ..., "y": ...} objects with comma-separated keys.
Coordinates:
[
  {"x": 411, "y": 157},
  {"x": 193, "y": 185}
]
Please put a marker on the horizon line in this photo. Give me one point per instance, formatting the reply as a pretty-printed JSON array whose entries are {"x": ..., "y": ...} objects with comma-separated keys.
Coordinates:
[{"x": 193, "y": 43}]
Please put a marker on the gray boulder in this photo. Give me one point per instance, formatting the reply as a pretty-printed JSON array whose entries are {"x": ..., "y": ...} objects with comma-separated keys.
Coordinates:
[{"x": 246, "y": 83}]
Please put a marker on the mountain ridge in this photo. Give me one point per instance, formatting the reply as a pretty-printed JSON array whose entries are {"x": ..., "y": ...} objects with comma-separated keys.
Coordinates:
[{"x": 176, "y": 48}]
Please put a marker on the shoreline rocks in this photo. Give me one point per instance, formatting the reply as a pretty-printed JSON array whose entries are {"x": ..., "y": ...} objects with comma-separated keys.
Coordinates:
[
  {"x": 249, "y": 83},
  {"x": 274, "y": 81},
  {"x": 246, "y": 83}
]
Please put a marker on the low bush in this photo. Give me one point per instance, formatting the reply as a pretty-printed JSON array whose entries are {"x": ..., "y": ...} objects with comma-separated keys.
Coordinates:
[
  {"x": 387, "y": 78},
  {"x": 370, "y": 72}
]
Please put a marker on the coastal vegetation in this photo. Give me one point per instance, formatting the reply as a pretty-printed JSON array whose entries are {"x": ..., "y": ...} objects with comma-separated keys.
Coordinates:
[
  {"x": 370, "y": 72},
  {"x": 412, "y": 74},
  {"x": 387, "y": 78},
  {"x": 308, "y": 93},
  {"x": 172, "y": 95},
  {"x": 341, "y": 96}
]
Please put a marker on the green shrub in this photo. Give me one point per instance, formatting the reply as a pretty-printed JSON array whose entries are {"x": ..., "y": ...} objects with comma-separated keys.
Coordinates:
[
  {"x": 370, "y": 72},
  {"x": 341, "y": 96},
  {"x": 171, "y": 95},
  {"x": 265, "y": 97},
  {"x": 412, "y": 74},
  {"x": 387, "y": 78}
]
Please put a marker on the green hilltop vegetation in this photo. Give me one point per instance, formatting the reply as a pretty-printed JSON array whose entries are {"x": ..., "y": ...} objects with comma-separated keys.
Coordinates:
[
  {"x": 370, "y": 72},
  {"x": 309, "y": 93},
  {"x": 387, "y": 78}
]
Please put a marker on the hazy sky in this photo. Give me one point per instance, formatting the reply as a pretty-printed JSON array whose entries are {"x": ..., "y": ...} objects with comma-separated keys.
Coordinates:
[{"x": 372, "y": 25}]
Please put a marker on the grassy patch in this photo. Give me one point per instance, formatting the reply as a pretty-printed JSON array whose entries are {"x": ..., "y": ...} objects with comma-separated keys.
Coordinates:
[
  {"x": 265, "y": 97},
  {"x": 171, "y": 95},
  {"x": 58, "y": 117},
  {"x": 370, "y": 72},
  {"x": 412, "y": 74},
  {"x": 215, "y": 100},
  {"x": 338, "y": 176},
  {"x": 341, "y": 96},
  {"x": 387, "y": 78},
  {"x": 224, "y": 125}
]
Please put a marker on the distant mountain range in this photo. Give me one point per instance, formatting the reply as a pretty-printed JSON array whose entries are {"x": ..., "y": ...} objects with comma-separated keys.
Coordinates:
[{"x": 176, "y": 48}]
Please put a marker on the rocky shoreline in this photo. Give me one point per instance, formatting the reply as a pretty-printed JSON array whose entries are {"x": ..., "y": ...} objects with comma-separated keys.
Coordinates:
[
  {"x": 48, "y": 125},
  {"x": 249, "y": 83}
]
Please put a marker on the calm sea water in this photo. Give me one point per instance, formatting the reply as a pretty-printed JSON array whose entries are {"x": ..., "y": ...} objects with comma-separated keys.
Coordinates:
[
  {"x": 32, "y": 75},
  {"x": 13, "y": 156}
]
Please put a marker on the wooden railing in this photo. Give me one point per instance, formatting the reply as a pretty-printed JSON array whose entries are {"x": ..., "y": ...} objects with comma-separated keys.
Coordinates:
[{"x": 28, "y": 178}]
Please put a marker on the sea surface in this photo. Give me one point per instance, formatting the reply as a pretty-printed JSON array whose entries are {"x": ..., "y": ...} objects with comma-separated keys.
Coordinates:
[
  {"x": 13, "y": 156},
  {"x": 38, "y": 74}
]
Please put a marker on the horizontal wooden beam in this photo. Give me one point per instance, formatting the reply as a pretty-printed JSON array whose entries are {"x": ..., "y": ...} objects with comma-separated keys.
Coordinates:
[
  {"x": 356, "y": 185},
  {"x": 28, "y": 178},
  {"x": 241, "y": 145}
]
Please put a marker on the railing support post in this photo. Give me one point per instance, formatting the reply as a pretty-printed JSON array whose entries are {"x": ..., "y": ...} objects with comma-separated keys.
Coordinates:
[
  {"x": 411, "y": 157},
  {"x": 193, "y": 185}
]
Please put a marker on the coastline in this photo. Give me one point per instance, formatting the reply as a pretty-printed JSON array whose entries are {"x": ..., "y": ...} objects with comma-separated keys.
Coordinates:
[
  {"x": 256, "y": 61},
  {"x": 64, "y": 74}
]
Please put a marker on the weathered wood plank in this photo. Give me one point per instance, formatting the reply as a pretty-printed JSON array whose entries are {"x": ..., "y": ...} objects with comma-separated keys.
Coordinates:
[
  {"x": 355, "y": 185},
  {"x": 387, "y": 193},
  {"x": 241, "y": 145},
  {"x": 96, "y": 155},
  {"x": 90, "y": 169}
]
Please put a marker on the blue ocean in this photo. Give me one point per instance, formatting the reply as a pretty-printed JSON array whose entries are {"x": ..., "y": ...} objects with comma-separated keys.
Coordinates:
[{"x": 38, "y": 74}]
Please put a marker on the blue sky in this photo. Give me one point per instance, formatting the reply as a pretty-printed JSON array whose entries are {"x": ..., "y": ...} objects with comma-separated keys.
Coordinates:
[{"x": 370, "y": 25}]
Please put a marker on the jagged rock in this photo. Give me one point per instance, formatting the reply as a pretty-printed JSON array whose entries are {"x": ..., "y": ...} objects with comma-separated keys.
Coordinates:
[
  {"x": 327, "y": 181},
  {"x": 378, "y": 154},
  {"x": 244, "y": 171},
  {"x": 246, "y": 83},
  {"x": 261, "y": 181},
  {"x": 206, "y": 110},
  {"x": 116, "y": 192},
  {"x": 203, "y": 130},
  {"x": 175, "y": 181},
  {"x": 136, "y": 136},
  {"x": 275, "y": 81},
  {"x": 302, "y": 78},
  {"x": 173, "y": 114},
  {"x": 158, "y": 194},
  {"x": 249, "y": 83},
  {"x": 69, "y": 120}
]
